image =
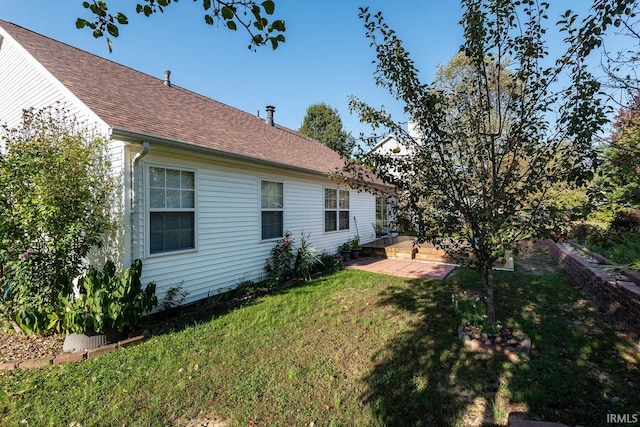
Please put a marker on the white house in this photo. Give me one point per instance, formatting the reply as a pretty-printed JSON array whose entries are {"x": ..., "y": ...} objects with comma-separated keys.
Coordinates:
[
  {"x": 393, "y": 146},
  {"x": 206, "y": 189}
]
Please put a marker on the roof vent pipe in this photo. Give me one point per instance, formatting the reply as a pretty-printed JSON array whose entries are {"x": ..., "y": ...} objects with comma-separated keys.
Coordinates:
[
  {"x": 167, "y": 81},
  {"x": 270, "y": 110}
]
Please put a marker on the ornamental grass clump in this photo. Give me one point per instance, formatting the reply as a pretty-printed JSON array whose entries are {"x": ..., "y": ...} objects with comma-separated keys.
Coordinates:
[{"x": 306, "y": 259}]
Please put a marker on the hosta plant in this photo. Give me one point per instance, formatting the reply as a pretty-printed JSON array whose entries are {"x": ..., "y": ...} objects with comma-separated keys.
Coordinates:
[{"x": 104, "y": 301}]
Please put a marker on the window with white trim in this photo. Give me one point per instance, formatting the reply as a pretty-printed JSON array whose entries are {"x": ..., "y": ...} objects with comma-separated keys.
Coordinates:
[
  {"x": 382, "y": 212},
  {"x": 272, "y": 209},
  {"x": 336, "y": 209},
  {"x": 171, "y": 210}
]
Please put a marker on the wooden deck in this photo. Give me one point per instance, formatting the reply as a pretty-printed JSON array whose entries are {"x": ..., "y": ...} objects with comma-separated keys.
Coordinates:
[{"x": 403, "y": 248}]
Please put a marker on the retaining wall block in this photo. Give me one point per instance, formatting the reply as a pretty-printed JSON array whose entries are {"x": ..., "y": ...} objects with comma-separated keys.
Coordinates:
[{"x": 620, "y": 299}]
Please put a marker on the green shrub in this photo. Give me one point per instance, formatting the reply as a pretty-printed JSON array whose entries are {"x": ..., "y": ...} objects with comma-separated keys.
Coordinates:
[
  {"x": 626, "y": 220},
  {"x": 279, "y": 266},
  {"x": 598, "y": 238},
  {"x": 581, "y": 231},
  {"x": 604, "y": 213},
  {"x": 619, "y": 246},
  {"x": 282, "y": 265},
  {"x": 345, "y": 247},
  {"x": 173, "y": 298},
  {"x": 105, "y": 301},
  {"x": 248, "y": 287},
  {"x": 28, "y": 289},
  {"x": 620, "y": 242},
  {"x": 327, "y": 264},
  {"x": 55, "y": 206}
]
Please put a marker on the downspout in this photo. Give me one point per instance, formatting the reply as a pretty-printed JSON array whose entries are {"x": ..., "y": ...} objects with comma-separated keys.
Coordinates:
[{"x": 139, "y": 155}]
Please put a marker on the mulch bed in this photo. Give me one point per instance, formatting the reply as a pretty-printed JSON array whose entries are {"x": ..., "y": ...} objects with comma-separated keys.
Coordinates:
[{"x": 18, "y": 346}]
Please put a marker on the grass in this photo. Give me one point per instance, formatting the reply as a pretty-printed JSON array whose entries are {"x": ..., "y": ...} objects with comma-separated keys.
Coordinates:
[
  {"x": 354, "y": 348},
  {"x": 621, "y": 247}
]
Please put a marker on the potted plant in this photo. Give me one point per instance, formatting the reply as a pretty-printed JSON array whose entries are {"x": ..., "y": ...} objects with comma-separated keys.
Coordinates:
[
  {"x": 355, "y": 247},
  {"x": 345, "y": 250}
]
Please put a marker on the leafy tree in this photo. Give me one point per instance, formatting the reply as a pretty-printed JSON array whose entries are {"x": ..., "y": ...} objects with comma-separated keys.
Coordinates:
[
  {"x": 55, "y": 207},
  {"x": 619, "y": 17},
  {"x": 621, "y": 167},
  {"x": 324, "y": 124},
  {"x": 498, "y": 132},
  {"x": 249, "y": 14}
]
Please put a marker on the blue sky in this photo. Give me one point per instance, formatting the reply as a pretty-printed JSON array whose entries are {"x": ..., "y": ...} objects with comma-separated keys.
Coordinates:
[{"x": 326, "y": 57}]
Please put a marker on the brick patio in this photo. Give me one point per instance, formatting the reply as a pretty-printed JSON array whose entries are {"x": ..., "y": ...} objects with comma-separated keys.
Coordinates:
[{"x": 403, "y": 268}]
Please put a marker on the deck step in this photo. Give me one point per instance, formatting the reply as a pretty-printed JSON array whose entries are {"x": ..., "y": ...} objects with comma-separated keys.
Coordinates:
[
  {"x": 388, "y": 252},
  {"x": 434, "y": 257},
  {"x": 407, "y": 252}
]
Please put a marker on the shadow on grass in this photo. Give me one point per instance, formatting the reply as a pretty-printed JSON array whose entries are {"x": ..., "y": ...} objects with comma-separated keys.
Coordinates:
[
  {"x": 580, "y": 369},
  {"x": 177, "y": 319}
]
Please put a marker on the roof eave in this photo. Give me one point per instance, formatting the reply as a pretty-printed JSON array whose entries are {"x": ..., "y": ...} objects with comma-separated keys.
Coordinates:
[{"x": 136, "y": 136}]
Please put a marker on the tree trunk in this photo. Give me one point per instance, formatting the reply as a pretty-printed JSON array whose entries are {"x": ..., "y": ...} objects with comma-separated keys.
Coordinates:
[{"x": 488, "y": 283}]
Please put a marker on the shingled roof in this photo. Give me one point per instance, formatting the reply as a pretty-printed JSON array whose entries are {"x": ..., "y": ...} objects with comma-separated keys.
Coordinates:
[{"x": 137, "y": 103}]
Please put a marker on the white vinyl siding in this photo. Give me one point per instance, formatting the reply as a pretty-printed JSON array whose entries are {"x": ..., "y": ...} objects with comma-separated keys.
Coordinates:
[
  {"x": 25, "y": 83},
  {"x": 228, "y": 223}
]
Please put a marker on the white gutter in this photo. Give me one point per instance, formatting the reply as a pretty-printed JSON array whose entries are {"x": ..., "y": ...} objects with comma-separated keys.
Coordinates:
[
  {"x": 127, "y": 135},
  {"x": 139, "y": 155}
]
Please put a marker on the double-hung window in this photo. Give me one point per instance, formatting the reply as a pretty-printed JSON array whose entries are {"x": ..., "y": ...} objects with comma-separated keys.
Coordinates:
[
  {"x": 336, "y": 209},
  {"x": 171, "y": 210},
  {"x": 272, "y": 209}
]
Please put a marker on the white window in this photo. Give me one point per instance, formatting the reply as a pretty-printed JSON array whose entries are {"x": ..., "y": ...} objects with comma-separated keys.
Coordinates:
[
  {"x": 272, "y": 208},
  {"x": 382, "y": 212},
  {"x": 336, "y": 209},
  {"x": 171, "y": 210}
]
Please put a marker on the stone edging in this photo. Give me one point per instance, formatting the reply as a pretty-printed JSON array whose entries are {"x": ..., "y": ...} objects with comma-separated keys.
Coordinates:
[
  {"x": 522, "y": 351},
  {"x": 70, "y": 357}
]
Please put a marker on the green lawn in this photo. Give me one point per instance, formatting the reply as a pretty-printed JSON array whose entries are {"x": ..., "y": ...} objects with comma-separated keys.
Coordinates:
[{"x": 353, "y": 348}]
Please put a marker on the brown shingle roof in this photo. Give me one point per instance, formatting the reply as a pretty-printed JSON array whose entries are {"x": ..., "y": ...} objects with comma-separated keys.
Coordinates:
[{"x": 132, "y": 101}]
